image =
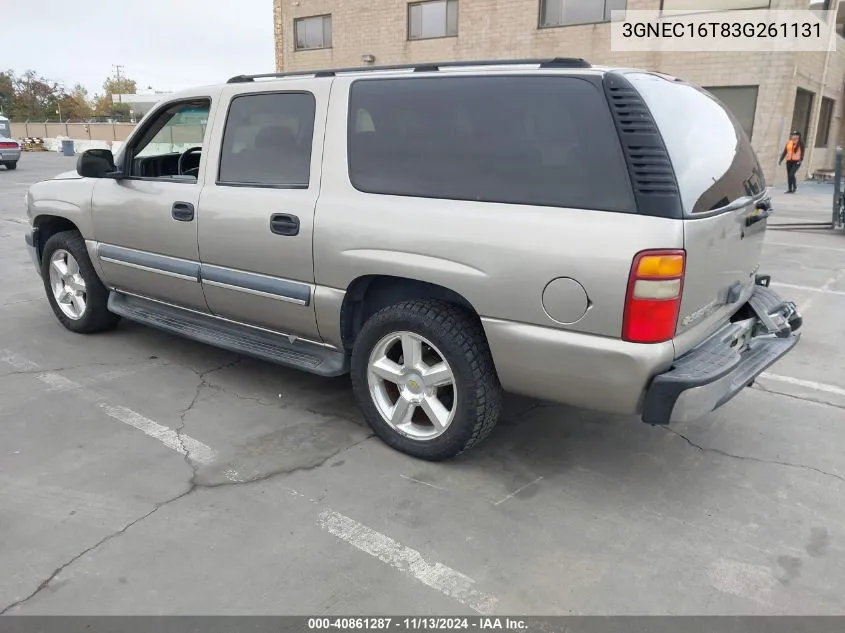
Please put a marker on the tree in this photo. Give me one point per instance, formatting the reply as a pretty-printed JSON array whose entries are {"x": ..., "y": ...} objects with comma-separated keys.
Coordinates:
[
  {"x": 75, "y": 105},
  {"x": 35, "y": 97},
  {"x": 119, "y": 86},
  {"x": 104, "y": 105},
  {"x": 7, "y": 92}
]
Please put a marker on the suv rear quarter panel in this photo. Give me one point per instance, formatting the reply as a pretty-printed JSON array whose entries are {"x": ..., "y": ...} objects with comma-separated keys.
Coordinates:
[{"x": 500, "y": 257}]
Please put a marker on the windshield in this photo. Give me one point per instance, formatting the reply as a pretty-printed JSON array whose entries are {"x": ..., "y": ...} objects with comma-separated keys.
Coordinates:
[{"x": 711, "y": 154}]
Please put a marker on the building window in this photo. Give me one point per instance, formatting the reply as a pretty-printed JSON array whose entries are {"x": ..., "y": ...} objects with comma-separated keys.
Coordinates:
[
  {"x": 313, "y": 32},
  {"x": 802, "y": 111},
  {"x": 741, "y": 101},
  {"x": 823, "y": 128},
  {"x": 438, "y": 18},
  {"x": 713, "y": 5},
  {"x": 570, "y": 12}
]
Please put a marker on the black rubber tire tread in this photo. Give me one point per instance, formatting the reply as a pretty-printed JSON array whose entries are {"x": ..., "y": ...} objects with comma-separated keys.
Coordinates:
[
  {"x": 11, "y": 165},
  {"x": 97, "y": 317},
  {"x": 458, "y": 334}
]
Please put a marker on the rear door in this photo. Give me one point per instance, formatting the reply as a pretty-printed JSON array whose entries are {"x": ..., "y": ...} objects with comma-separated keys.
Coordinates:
[
  {"x": 257, "y": 209},
  {"x": 724, "y": 196}
]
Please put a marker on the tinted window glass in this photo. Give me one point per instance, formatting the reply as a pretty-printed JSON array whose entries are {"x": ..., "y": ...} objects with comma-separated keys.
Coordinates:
[
  {"x": 538, "y": 140},
  {"x": 267, "y": 140},
  {"x": 713, "y": 159}
]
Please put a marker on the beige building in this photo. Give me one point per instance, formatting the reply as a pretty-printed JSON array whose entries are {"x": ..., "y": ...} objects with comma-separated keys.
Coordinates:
[{"x": 769, "y": 92}]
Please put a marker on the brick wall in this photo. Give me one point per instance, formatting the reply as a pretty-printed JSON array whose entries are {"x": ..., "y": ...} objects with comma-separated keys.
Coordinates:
[{"x": 500, "y": 29}]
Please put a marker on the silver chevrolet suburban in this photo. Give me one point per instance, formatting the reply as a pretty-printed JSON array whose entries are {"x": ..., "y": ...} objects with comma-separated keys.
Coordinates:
[{"x": 442, "y": 232}]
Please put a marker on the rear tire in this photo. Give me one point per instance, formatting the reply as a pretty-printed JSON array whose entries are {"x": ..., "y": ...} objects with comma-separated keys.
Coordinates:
[
  {"x": 11, "y": 165},
  {"x": 78, "y": 297},
  {"x": 446, "y": 399}
]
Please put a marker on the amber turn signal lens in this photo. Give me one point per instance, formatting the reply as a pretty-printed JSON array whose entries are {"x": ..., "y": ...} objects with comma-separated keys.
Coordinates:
[{"x": 661, "y": 266}]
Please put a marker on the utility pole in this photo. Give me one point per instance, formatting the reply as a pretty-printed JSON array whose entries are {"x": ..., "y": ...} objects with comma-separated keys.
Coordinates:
[{"x": 117, "y": 69}]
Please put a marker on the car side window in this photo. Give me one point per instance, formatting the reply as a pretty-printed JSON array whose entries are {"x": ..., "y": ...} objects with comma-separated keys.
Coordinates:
[
  {"x": 170, "y": 148},
  {"x": 267, "y": 141},
  {"x": 530, "y": 140}
]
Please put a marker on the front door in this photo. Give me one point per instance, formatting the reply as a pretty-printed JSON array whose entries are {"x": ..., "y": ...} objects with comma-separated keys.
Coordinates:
[
  {"x": 145, "y": 223},
  {"x": 257, "y": 207}
]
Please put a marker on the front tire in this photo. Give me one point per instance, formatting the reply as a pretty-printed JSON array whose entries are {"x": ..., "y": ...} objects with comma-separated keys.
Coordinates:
[
  {"x": 78, "y": 297},
  {"x": 424, "y": 378}
]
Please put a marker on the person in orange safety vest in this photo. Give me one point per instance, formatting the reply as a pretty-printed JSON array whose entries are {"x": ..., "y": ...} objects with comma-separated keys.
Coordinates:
[{"x": 794, "y": 154}]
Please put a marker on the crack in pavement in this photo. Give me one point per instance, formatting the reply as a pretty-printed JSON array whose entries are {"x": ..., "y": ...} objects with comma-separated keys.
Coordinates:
[
  {"x": 239, "y": 396},
  {"x": 193, "y": 484},
  {"x": 17, "y": 301},
  {"x": 284, "y": 471},
  {"x": 752, "y": 458},
  {"x": 202, "y": 384},
  {"x": 46, "y": 582},
  {"x": 760, "y": 387}
]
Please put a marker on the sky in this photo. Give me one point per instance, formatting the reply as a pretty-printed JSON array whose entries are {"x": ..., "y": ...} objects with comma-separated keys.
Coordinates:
[{"x": 166, "y": 44}]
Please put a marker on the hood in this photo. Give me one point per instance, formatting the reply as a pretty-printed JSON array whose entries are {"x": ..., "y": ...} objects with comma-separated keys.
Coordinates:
[{"x": 67, "y": 175}]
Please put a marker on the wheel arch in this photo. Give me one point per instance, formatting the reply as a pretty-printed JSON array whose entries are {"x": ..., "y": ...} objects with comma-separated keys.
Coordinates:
[
  {"x": 368, "y": 294},
  {"x": 46, "y": 226}
]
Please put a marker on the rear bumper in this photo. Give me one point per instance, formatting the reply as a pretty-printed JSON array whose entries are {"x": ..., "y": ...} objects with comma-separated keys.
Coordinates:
[
  {"x": 711, "y": 374},
  {"x": 10, "y": 155},
  {"x": 581, "y": 370}
]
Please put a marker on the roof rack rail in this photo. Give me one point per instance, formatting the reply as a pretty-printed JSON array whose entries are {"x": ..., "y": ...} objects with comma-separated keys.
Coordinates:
[{"x": 556, "y": 62}]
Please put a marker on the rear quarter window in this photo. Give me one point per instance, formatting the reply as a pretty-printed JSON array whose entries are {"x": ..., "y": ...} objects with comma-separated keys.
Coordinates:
[
  {"x": 712, "y": 156},
  {"x": 530, "y": 140}
]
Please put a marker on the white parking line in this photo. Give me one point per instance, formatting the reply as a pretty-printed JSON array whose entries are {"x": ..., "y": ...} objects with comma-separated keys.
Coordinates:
[
  {"x": 195, "y": 449},
  {"x": 183, "y": 444},
  {"x": 808, "y": 384},
  {"x": 409, "y": 561},
  {"x": 823, "y": 290},
  {"x": 517, "y": 491}
]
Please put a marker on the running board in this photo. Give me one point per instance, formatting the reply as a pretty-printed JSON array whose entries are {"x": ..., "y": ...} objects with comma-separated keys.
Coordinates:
[{"x": 242, "y": 339}]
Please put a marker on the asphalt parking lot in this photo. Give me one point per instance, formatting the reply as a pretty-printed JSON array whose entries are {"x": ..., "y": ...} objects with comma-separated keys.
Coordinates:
[{"x": 292, "y": 507}]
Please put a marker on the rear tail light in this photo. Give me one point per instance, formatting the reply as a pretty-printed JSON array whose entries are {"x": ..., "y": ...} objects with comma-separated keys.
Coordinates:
[
  {"x": 8, "y": 145},
  {"x": 653, "y": 301}
]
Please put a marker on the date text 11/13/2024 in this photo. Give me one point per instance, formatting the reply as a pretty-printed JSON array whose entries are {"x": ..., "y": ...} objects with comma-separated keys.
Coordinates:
[{"x": 416, "y": 624}]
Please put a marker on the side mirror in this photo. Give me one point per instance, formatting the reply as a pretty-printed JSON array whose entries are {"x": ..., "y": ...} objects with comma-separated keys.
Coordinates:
[{"x": 97, "y": 163}]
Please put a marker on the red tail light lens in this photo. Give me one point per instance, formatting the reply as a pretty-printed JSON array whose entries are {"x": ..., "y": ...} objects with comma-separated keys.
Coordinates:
[
  {"x": 8, "y": 145},
  {"x": 655, "y": 286}
]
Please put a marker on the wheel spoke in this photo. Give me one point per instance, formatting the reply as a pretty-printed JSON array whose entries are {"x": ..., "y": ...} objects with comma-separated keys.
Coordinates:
[
  {"x": 387, "y": 370},
  {"x": 411, "y": 350},
  {"x": 77, "y": 283},
  {"x": 65, "y": 297},
  {"x": 78, "y": 302},
  {"x": 402, "y": 411},
  {"x": 436, "y": 412},
  {"x": 72, "y": 266},
  {"x": 438, "y": 376},
  {"x": 59, "y": 266}
]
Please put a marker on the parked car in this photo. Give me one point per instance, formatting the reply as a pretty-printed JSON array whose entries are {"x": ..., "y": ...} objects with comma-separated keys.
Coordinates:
[
  {"x": 10, "y": 152},
  {"x": 443, "y": 235}
]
